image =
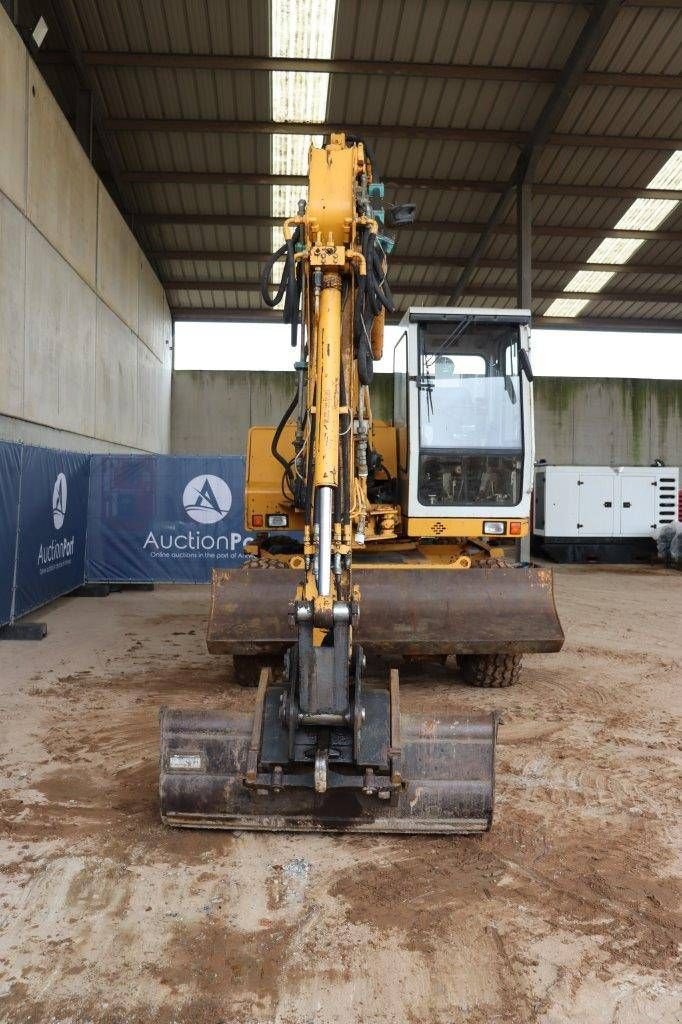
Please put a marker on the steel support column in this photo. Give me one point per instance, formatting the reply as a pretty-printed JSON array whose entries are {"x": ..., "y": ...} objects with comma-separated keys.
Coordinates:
[
  {"x": 524, "y": 238},
  {"x": 524, "y": 234}
]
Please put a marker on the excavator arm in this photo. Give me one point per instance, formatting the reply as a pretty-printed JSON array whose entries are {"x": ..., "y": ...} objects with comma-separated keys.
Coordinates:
[{"x": 324, "y": 749}]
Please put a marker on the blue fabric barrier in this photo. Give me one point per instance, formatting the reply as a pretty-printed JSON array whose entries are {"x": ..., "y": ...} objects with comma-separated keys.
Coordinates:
[
  {"x": 10, "y": 472},
  {"x": 52, "y": 524},
  {"x": 164, "y": 518}
]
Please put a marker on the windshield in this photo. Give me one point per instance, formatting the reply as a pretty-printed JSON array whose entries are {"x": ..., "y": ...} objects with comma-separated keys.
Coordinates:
[
  {"x": 469, "y": 387},
  {"x": 470, "y": 419}
]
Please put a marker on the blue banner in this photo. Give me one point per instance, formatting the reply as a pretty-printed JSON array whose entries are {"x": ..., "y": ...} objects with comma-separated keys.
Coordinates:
[
  {"x": 10, "y": 471},
  {"x": 164, "y": 518},
  {"x": 52, "y": 524}
]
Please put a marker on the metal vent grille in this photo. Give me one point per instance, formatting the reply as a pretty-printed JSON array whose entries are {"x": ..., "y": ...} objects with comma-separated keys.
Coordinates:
[
  {"x": 667, "y": 499},
  {"x": 438, "y": 528}
]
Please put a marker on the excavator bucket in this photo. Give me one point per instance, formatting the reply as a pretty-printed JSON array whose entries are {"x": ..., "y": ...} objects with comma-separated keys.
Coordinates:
[
  {"x": 447, "y": 766},
  {"x": 218, "y": 769},
  {"x": 404, "y": 611}
]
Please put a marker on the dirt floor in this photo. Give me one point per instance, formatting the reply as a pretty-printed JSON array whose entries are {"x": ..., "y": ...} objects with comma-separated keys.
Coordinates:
[{"x": 568, "y": 911}]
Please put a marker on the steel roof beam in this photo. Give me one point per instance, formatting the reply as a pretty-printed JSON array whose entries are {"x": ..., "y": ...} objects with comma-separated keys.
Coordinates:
[
  {"x": 425, "y": 184},
  {"x": 471, "y": 72},
  {"x": 429, "y": 288},
  {"x": 210, "y": 126},
  {"x": 219, "y": 314},
  {"x": 557, "y": 266},
  {"x": 451, "y": 227},
  {"x": 584, "y": 48}
]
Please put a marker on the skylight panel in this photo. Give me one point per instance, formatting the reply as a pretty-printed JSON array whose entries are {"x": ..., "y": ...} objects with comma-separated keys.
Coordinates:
[
  {"x": 670, "y": 174},
  {"x": 300, "y": 28},
  {"x": 646, "y": 214},
  {"x": 642, "y": 215},
  {"x": 285, "y": 200},
  {"x": 290, "y": 153},
  {"x": 566, "y": 307},
  {"x": 589, "y": 281},
  {"x": 615, "y": 250},
  {"x": 299, "y": 96}
]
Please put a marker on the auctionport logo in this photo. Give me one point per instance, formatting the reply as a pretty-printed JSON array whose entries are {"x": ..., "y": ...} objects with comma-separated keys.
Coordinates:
[
  {"x": 207, "y": 499},
  {"x": 59, "y": 492}
]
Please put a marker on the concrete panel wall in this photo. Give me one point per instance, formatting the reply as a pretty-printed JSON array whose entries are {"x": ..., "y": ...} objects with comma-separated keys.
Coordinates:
[
  {"x": 211, "y": 411},
  {"x": 59, "y": 340},
  {"x": 13, "y": 68},
  {"x": 115, "y": 377},
  {"x": 12, "y": 293},
  {"x": 155, "y": 328},
  {"x": 118, "y": 261},
  {"x": 85, "y": 329},
  {"x": 594, "y": 422},
  {"x": 62, "y": 185},
  {"x": 12, "y": 429},
  {"x": 577, "y": 421}
]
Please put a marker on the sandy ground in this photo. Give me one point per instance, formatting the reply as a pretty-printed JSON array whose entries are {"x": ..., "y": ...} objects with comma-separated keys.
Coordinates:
[{"x": 568, "y": 911}]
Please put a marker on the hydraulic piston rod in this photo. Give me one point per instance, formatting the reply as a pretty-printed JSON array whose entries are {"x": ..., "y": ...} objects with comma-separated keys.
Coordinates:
[
  {"x": 327, "y": 422},
  {"x": 324, "y": 521}
]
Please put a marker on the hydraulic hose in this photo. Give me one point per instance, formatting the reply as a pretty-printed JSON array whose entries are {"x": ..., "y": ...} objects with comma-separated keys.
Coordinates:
[
  {"x": 289, "y": 285},
  {"x": 373, "y": 293},
  {"x": 274, "y": 447}
]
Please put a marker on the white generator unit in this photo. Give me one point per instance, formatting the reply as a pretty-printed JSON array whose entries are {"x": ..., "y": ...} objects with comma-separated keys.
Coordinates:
[{"x": 601, "y": 513}]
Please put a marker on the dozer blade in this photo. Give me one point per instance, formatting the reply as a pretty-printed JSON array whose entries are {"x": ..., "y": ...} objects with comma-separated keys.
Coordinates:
[
  {"x": 447, "y": 766},
  {"x": 404, "y": 611}
]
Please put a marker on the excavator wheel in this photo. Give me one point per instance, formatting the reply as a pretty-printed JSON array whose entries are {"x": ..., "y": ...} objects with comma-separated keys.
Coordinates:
[{"x": 490, "y": 670}]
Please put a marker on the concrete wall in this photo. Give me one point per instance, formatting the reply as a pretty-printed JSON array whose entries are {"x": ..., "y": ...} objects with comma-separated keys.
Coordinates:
[
  {"x": 594, "y": 422},
  {"x": 583, "y": 421},
  {"x": 85, "y": 330}
]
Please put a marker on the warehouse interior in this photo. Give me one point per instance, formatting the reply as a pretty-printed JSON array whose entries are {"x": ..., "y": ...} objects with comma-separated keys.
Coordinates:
[{"x": 150, "y": 154}]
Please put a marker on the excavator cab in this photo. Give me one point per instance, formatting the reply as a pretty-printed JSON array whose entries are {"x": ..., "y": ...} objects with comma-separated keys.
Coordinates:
[{"x": 462, "y": 411}]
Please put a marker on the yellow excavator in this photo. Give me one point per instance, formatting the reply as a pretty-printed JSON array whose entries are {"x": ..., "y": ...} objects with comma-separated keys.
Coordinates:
[{"x": 369, "y": 539}]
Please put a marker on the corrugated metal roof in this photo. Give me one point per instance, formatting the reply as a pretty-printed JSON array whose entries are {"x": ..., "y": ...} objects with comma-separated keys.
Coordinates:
[{"x": 517, "y": 34}]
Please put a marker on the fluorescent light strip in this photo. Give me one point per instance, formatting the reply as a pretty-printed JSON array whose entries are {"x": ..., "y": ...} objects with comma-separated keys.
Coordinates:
[
  {"x": 642, "y": 215},
  {"x": 300, "y": 28}
]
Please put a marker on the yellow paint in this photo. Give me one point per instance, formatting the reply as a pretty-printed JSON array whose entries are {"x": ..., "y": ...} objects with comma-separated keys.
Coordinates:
[
  {"x": 263, "y": 495},
  {"x": 330, "y": 211},
  {"x": 328, "y": 373}
]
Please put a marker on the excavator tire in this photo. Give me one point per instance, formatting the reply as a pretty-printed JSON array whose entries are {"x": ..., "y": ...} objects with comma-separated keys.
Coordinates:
[{"x": 490, "y": 670}]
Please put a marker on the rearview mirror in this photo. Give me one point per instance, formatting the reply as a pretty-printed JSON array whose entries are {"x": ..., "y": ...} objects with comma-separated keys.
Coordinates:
[{"x": 401, "y": 215}]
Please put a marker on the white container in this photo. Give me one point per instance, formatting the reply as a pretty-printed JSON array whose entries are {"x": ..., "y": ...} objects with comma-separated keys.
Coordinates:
[{"x": 603, "y": 501}]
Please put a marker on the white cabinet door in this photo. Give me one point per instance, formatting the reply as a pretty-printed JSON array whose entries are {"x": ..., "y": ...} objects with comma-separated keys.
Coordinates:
[
  {"x": 561, "y": 503},
  {"x": 637, "y": 505},
  {"x": 596, "y": 505}
]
